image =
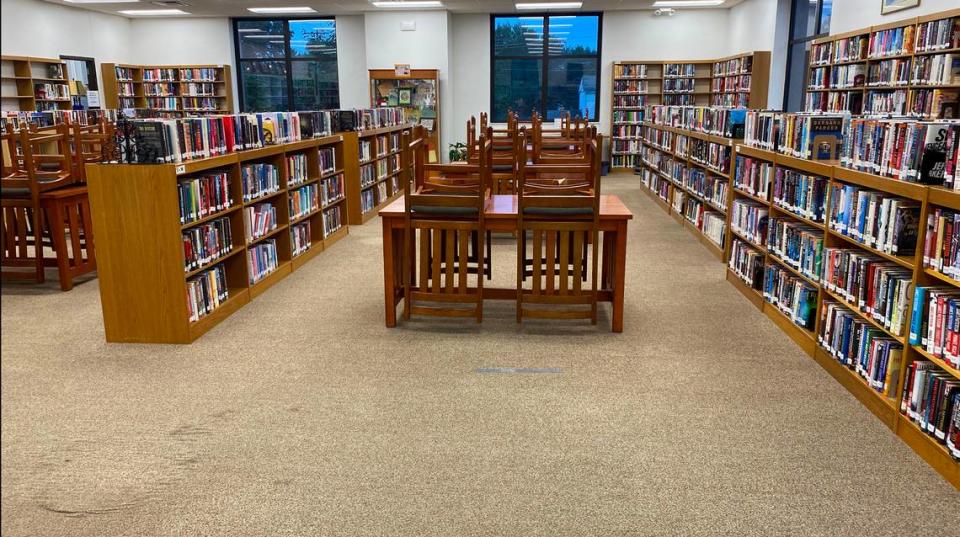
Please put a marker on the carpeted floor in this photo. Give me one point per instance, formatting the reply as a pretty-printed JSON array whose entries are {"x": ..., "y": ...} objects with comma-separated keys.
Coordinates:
[{"x": 302, "y": 415}]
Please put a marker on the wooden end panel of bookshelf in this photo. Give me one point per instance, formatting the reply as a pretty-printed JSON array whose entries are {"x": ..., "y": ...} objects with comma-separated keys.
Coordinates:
[
  {"x": 351, "y": 177},
  {"x": 139, "y": 253}
]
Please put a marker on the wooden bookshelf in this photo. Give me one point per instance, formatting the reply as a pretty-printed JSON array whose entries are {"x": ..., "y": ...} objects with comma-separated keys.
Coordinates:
[
  {"x": 741, "y": 80},
  {"x": 366, "y": 197},
  {"x": 833, "y": 72},
  {"x": 884, "y": 407},
  {"x": 677, "y": 195},
  {"x": 24, "y": 81},
  {"x": 125, "y": 86},
  {"x": 141, "y": 260}
]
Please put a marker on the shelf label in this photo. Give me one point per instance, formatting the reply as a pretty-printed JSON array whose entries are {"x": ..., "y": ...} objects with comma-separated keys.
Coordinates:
[{"x": 181, "y": 169}]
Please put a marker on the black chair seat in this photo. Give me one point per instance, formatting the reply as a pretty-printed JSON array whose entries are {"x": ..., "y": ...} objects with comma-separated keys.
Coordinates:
[
  {"x": 558, "y": 211},
  {"x": 434, "y": 210},
  {"x": 15, "y": 192}
]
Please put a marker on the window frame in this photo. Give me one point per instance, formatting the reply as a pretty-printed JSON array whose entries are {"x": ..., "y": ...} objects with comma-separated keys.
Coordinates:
[
  {"x": 818, "y": 32},
  {"x": 287, "y": 59},
  {"x": 545, "y": 56}
]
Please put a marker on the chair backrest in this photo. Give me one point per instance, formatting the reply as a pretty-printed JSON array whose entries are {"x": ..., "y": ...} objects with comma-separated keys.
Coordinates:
[
  {"x": 39, "y": 161},
  {"x": 89, "y": 144},
  {"x": 571, "y": 173}
]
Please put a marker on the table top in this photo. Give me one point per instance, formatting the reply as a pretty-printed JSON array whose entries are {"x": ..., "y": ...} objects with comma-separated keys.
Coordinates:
[{"x": 505, "y": 206}]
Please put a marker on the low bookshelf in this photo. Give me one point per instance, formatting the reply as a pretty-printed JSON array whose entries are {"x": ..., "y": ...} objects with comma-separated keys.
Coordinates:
[
  {"x": 169, "y": 273},
  {"x": 740, "y": 80},
  {"x": 194, "y": 89},
  {"x": 373, "y": 161},
  {"x": 897, "y": 68},
  {"x": 31, "y": 84},
  {"x": 694, "y": 190},
  {"x": 805, "y": 292}
]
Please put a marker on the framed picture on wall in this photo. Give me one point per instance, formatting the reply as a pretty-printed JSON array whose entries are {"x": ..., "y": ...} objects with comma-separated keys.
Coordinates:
[{"x": 893, "y": 6}]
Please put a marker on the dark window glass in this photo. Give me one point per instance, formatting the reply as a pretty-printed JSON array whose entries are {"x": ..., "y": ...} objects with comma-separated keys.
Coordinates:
[
  {"x": 261, "y": 39},
  {"x": 545, "y": 63},
  {"x": 315, "y": 85},
  {"x": 826, "y": 10},
  {"x": 809, "y": 18},
  {"x": 571, "y": 87},
  {"x": 316, "y": 38},
  {"x": 516, "y": 86},
  {"x": 287, "y": 64},
  {"x": 264, "y": 85}
]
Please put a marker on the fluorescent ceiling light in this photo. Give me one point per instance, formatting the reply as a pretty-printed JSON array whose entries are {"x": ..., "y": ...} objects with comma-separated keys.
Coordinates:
[
  {"x": 102, "y": 1},
  {"x": 281, "y": 10},
  {"x": 153, "y": 12},
  {"x": 687, "y": 3},
  {"x": 549, "y": 5},
  {"x": 409, "y": 4},
  {"x": 248, "y": 30}
]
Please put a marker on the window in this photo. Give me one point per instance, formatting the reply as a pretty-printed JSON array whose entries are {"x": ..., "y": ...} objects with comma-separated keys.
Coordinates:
[
  {"x": 545, "y": 63},
  {"x": 287, "y": 64},
  {"x": 83, "y": 74},
  {"x": 809, "y": 19}
]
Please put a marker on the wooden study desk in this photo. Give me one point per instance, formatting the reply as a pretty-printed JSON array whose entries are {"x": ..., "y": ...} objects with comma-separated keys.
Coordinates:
[{"x": 501, "y": 216}]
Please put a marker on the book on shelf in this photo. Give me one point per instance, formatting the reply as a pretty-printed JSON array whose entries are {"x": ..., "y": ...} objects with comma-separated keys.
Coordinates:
[
  {"x": 297, "y": 169},
  {"x": 715, "y": 227},
  {"x": 796, "y": 244},
  {"x": 800, "y": 193},
  {"x": 849, "y": 49},
  {"x": 941, "y": 248},
  {"x": 936, "y": 69},
  {"x": 262, "y": 259},
  {"x": 753, "y": 176},
  {"x": 879, "y": 289},
  {"x": 203, "y": 195},
  {"x": 300, "y": 238},
  {"x": 935, "y": 322},
  {"x": 908, "y": 150},
  {"x": 331, "y": 189},
  {"x": 304, "y": 200},
  {"x": 207, "y": 242},
  {"x": 258, "y": 180},
  {"x": 332, "y": 220},
  {"x": 894, "y": 72},
  {"x": 891, "y": 42},
  {"x": 938, "y": 34},
  {"x": 876, "y": 219},
  {"x": 792, "y": 295},
  {"x": 858, "y": 345},
  {"x": 206, "y": 291},
  {"x": 747, "y": 263},
  {"x": 930, "y": 399},
  {"x": 259, "y": 220},
  {"x": 749, "y": 219}
]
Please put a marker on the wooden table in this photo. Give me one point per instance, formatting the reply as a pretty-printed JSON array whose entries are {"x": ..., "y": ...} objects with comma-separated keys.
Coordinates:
[{"x": 501, "y": 216}]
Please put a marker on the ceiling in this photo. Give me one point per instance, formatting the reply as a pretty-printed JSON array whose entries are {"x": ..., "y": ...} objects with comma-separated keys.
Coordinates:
[{"x": 238, "y": 8}]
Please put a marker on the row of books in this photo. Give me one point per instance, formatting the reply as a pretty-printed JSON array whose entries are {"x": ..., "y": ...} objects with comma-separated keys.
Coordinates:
[
  {"x": 298, "y": 169},
  {"x": 860, "y": 346},
  {"x": 747, "y": 263},
  {"x": 200, "y": 104},
  {"x": 938, "y": 35},
  {"x": 731, "y": 83},
  {"x": 259, "y": 220},
  {"x": 735, "y": 66},
  {"x": 206, "y": 291},
  {"x": 332, "y": 189},
  {"x": 749, "y": 219},
  {"x": 206, "y": 243},
  {"x": 199, "y": 89},
  {"x": 718, "y": 121},
  {"x": 259, "y": 179},
  {"x": 262, "y": 260},
  {"x": 907, "y": 150},
  {"x": 376, "y": 118},
  {"x": 304, "y": 200},
  {"x": 799, "y": 193},
  {"x": 300, "y": 238},
  {"x": 162, "y": 103},
  {"x": 879, "y": 289},
  {"x": 631, "y": 86},
  {"x": 332, "y": 220},
  {"x": 753, "y": 176},
  {"x": 630, "y": 101},
  {"x": 159, "y": 74},
  {"x": 49, "y": 118},
  {"x": 204, "y": 195},
  {"x": 626, "y": 131},
  {"x": 891, "y": 42},
  {"x": 328, "y": 160},
  {"x": 366, "y": 150},
  {"x": 368, "y": 175},
  {"x": 161, "y": 90},
  {"x": 935, "y": 323},
  {"x": 714, "y": 227},
  {"x": 629, "y": 70},
  {"x": 936, "y": 69},
  {"x": 628, "y": 116},
  {"x": 941, "y": 248},
  {"x": 792, "y": 295},
  {"x": 713, "y": 155},
  {"x": 51, "y": 91},
  {"x": 740, "y": 99},
  {"x": 875, "y": 219},
  {"x": 680, "y": 85},
  {"x": 931, "y": 399},
  {"x": 834, "y": 102},
  {"x": 673, "y": 70},
  {"x": 796, "y": 244},
  {"x": 680, "y": 99}
]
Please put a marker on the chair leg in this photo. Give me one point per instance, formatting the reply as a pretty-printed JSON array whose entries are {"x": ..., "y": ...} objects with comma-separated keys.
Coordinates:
[
  {"x": 521, "y": 267},
  {"x": 37, "y": 218},
  {"x": 55, "y": 217}
]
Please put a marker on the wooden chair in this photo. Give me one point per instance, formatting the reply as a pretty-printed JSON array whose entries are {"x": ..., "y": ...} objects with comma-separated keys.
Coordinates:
[
  {"x": 563, "y": 221},
  {"x": 39, "y": 163},
  {"x": 443, "y": 218},
  {"x": 89, "y": 144}
]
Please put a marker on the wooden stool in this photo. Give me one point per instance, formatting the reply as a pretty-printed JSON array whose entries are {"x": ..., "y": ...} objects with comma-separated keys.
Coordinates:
[{"x": 67, "y": 212}]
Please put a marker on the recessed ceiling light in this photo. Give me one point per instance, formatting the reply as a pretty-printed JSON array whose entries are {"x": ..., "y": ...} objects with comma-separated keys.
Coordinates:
[
  {"x": 409, "y": 4},
  {"x": 687, "y": 3},
  {"x": 101, "y": 1},
  {"x": 549, "y": 5},
  {"x": 153, "y": 12},
  {"x": 265, "y": 10}
]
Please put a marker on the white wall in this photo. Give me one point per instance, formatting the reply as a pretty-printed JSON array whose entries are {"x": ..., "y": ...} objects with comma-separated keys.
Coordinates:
[
  {"x": 34, "y": 28},
  {"x": 638, "y": 35},
  {"x": 855, "y": 14},
  {"x": 755, "y": 25},
  {"x": 470, "y": 65},
  {"x": 428, "y": 47},
  {"x": 352, "y": 62}
]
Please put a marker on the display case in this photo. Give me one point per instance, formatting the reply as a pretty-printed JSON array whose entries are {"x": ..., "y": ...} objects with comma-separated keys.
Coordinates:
[{"x": 417, "y": 91}]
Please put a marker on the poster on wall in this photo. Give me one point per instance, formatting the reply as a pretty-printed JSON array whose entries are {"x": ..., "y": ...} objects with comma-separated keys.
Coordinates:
[{"x": 893, "y": 6}]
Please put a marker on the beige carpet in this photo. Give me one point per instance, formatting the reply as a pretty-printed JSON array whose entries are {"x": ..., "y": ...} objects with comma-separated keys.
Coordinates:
[{"x": 302, "y": 415}]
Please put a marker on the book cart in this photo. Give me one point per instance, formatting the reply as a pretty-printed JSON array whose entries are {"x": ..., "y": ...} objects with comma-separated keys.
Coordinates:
[{"x": 140, "y": 247}]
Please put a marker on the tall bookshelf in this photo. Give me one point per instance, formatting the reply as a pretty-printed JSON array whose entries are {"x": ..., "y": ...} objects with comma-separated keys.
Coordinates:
[
  {"x": 694, "y": 191},
  {"x": 374, "y": 181},
  {"x": 140, "y": 244},
  {"x": 31, "y": 84},
  {"x": 194, "y": 89},
  {"x": 846, "y": 74},
  {"x": 885, "y": 403},
  {"x": 740, "y": 80}
]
